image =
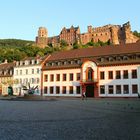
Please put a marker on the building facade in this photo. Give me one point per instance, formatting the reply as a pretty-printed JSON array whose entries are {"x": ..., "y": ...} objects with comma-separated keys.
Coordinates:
[
  {"x": 111, "y": 71},
  {"x": 6, "y": 77},
  {"x": 28, "y": 74},
  {"x": 116, "y": 34}
]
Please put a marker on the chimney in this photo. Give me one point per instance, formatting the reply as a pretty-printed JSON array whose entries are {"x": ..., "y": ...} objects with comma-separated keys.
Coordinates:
[{"x": 5, "y": 61}]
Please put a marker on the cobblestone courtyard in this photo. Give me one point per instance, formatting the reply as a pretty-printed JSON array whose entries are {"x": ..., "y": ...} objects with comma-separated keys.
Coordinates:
[{"x": 70, "y": 119}]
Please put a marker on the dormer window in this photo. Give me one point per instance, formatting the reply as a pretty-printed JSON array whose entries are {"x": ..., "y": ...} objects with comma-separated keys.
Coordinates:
[
  {"x": 125, "y": 58},
  {"x": 134, "y": 56},
  {"x": 102, "y": 59},
  {"x": 59, "y": 63},
  {"x": 21, "y": 63},
  {"x": 11, "y": 72},
  {"x": 110, "y": 59},
  {"x": 69, "y": 62},
  {"x": 30, "y": 62},
  {"x": 47, "y": 64},
  {"x": 26, "y": 62},
  {"x": 79, "y": 61},
  {"x": 76, "y": 61},
  {"x": 17, "y": 63},
  {"x": 65, "y": 63},
  {"x": 33, "y": 62},
  {"x": 37, "y": 61},
  {"x": 118, "y": 58},
  {"x": 72, "y": 62},
  {"x": 5, "y": 72},
  {"x": 56, "y": 63}
]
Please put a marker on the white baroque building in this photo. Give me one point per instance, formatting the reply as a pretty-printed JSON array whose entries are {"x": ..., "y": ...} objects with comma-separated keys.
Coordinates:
[
  {"x": 111, "y": 71},
  {"x": 28, "y": 73}
]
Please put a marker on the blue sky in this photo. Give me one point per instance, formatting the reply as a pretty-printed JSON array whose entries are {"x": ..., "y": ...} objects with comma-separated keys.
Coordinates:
[{"x": 21, "y": 18}]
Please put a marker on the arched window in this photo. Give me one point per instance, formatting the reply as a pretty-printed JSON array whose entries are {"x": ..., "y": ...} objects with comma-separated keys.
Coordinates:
[{"x": 90, "y": 74}]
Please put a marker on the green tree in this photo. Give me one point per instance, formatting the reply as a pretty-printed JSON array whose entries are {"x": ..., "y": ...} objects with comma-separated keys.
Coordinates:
[
  {"x": 63, "y": 43},
  {"x": 136, "y": 33}
]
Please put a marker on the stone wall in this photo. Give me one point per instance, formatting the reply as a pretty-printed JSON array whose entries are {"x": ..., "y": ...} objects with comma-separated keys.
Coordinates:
[{"x": 115, "y": 33}]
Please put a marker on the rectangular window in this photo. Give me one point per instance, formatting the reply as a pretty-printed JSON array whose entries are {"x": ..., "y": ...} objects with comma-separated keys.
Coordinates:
[
  {"x": 20, "y": 81},
  {"x": 51, "y": 90},
  {"x": 37, "y": 71},
  {"x": 125, "y": 89},
  {"x": 20, "y": 72},
  {"x": 71, "y": 76},
  {"x": 78, "y": 76},
  {"x": 110, "y": 89},
  {"x": 32, "y": 71},
  {"x": 26, "y": 71},
  {"x": 16, "y": 72},
  {"x": 37, "y": 80},
  {"x": 71, "y": 89},
  {"x": 45, "y": 78},
  {"x": 45, "y": 90},
  {"x": 33, "y": 80},
  {"x": 102, "y": 75},
  {"x": 57, "y": 77},
  {"x": 118, "y": 89},
  {"x": 118, "y": 74},
  {"x": 134, "y": 89},
  {"x": 57, "y": 89},
  {"x": 134, "y": 74},
  {"x": 102, "y": 89},
  {"x": 64, "y": 89},
  {"x": 51, "y": 77},
  {"x": 110, "y": 75},
  {"x": 125, "y": 74},
  {"x": 64, "y": 77},
  {"x": 78, "y": 89}
]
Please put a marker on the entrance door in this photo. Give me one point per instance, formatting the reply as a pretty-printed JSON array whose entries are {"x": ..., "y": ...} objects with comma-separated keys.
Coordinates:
[{"x": 90, "y": 91}]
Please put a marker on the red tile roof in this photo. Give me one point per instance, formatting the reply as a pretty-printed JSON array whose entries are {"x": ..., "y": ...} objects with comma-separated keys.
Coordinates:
[
  {"x": 96, "y": 51},
  {"x": 5, "y": 66}
]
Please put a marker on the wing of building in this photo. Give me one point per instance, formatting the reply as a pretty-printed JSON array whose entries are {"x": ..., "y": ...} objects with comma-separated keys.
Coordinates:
[
  {"x": 27, "y": 73},
  {"x": 111, "y": 71},
  {"x": 6, "y": 77}
]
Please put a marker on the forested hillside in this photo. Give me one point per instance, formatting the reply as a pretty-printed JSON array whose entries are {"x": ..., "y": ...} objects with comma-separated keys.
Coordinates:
[{"x": 15, "y": 49}]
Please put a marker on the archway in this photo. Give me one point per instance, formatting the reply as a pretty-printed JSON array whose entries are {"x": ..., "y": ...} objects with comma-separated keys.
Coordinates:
[{"x": 89, "y": 74}]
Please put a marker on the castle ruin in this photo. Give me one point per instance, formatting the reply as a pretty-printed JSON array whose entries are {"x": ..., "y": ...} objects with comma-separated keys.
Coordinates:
[{"x": 116, "y": 34}]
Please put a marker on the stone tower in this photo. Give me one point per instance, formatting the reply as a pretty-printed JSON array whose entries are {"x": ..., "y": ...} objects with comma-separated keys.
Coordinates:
[
  {"x": 129, "y": 37},
  {"x": 114, "y": 35},
  {"x": 90, "y": 29},
  {"x": 41, "y": 39}
]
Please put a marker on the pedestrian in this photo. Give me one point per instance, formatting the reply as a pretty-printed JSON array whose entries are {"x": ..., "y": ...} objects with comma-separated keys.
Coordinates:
[
  {"x": 138, "y": 95},
  {"x": 83, "y": 95}
]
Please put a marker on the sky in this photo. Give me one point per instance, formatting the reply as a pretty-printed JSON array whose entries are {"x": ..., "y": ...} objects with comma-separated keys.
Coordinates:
[{"x": 21, "y": 19}]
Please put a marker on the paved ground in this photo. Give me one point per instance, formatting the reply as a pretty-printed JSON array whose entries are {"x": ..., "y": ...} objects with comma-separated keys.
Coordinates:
[{"x": 70, "y": 119}]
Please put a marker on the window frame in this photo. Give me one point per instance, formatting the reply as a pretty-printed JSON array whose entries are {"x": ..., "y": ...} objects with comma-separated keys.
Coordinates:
[
  {"x": 70, "y": 89},
  {"x": 134, "y": 74},
  {"x": 102, "y": 87},
  {"x": 118, "y": 91},
  {"x": 110, "y": 87},
  {"x": 102, "y": 75},
  {"x": 110, "y": 75}
]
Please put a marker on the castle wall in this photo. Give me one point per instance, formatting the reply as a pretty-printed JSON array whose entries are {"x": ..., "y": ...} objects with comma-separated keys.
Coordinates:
[{"x": 115, "y": 33}]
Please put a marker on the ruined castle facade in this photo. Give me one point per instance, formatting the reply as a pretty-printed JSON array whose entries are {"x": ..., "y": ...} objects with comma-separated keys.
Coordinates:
[{"x": 116, "y": 34}]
